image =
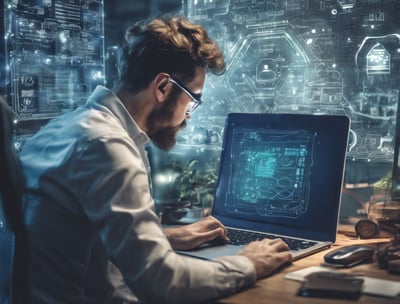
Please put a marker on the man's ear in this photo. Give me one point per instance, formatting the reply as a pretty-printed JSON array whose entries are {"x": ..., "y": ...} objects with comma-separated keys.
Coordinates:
[{"x": 161, "y": 86}]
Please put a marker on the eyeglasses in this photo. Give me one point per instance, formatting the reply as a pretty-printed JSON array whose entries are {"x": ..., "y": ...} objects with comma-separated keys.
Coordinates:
[{"x": 196, "y": 98}]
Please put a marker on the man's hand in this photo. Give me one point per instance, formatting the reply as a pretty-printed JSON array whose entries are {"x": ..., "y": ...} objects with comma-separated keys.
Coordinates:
[
  {"x": 191, "y": 236},
  {"x": 267, "y": 255}
]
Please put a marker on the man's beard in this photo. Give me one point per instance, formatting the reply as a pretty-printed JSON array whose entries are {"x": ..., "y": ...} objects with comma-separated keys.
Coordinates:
[{"x": 160, "y": 132}]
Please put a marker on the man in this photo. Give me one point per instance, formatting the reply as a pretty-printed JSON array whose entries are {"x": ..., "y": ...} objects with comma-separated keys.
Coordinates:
[{"x": 88, "y": 208}]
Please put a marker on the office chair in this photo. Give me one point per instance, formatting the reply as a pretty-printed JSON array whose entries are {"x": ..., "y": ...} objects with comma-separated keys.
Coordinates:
[{"x": 13, "y": 276}]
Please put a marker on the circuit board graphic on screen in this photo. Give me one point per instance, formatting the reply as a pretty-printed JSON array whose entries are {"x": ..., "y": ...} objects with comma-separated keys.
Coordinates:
[{"x": 270, "y": 172}]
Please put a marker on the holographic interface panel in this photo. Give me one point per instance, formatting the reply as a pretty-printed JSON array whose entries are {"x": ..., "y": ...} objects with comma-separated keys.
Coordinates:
[
  {"x": 307, "y": 56},
  {"x": 270, "y": 173},
  {"x": 54, "y": 55}
]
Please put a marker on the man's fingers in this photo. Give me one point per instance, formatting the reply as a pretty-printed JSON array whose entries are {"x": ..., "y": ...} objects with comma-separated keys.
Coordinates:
[
  {"x": 216, "y": 233},
  {"x": 279, "y": 245},
  {"x": 213, "y": 223}
]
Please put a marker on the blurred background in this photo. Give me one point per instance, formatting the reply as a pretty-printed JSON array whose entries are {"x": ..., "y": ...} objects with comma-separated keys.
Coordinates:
[{"x": 338, "y": 57}]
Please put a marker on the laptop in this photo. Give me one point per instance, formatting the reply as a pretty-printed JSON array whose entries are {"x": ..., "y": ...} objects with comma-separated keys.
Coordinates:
[{"x": 280, "y": 176}]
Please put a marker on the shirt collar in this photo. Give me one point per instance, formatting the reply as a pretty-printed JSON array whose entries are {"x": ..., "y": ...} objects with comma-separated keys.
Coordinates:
[{"x": 103, "y": 97}]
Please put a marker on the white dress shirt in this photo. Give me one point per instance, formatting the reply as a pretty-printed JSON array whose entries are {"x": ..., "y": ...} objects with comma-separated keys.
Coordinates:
[{"x": 88, "y": 204}]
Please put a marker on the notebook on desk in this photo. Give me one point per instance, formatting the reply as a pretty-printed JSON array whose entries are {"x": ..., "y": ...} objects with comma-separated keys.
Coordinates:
[{"x": 280, "y": 176}]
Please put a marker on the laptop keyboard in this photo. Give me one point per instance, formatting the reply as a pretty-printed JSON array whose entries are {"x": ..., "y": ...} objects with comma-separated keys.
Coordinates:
[{"x": 243, "y": 237}]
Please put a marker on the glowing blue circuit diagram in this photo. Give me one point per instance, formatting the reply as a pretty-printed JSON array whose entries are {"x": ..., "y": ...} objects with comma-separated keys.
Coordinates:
[
  {"x": 270, "y": 174},
  {"x": 333, "y": 57},
  {"x": 54, "y": 55}
]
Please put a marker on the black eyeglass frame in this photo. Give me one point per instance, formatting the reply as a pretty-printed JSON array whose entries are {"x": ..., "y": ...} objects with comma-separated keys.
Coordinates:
[{"x": 196, "y": 98}]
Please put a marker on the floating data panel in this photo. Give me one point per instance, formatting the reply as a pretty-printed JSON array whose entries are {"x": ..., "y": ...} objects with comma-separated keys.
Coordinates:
[
  {"x": 54, "y": 55},
  {"x": 322, "y": 57}
]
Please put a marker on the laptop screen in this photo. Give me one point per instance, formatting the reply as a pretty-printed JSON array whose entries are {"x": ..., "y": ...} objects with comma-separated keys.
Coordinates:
[{"x": 282, "y": 172}]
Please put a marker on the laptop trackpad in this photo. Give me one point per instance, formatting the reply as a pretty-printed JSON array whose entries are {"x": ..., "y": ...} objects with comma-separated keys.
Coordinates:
[{"x": 213, "y": 252}]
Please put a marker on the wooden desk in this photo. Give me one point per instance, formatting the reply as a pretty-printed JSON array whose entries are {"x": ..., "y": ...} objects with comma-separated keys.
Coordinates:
[{"x": 277, "y": 289}]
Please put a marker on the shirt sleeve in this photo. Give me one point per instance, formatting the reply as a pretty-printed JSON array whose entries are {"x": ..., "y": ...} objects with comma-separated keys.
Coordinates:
[{"x": 113, "y": 189}]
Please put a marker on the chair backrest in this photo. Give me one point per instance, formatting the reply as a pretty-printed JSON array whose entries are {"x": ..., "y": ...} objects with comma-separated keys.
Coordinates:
[{"x": 13, "y": 275}]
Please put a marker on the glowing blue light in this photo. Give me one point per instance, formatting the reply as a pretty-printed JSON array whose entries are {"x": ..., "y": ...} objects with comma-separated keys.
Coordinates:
[
  {"x": 62, "y": 37},
  {"x": 165, "y": 178},
  {"x": 97, "y": 75}
]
